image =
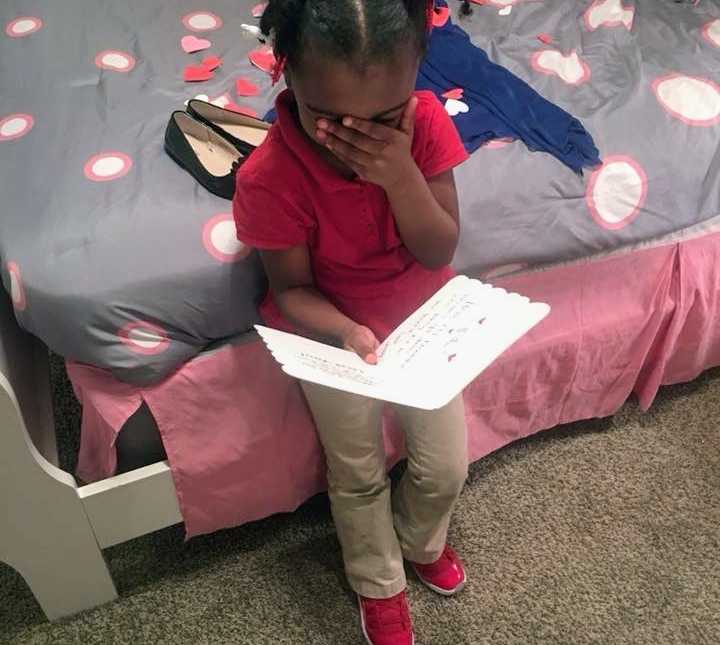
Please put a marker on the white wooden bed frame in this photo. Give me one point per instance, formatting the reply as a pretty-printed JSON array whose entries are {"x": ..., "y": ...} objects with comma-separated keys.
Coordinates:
[{"x": 52, "y": 531}]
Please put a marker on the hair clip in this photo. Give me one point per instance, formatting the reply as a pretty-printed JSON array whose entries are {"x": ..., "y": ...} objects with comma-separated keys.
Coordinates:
[
  {"x": 278, "y": 69},
  {"x": 430, "y": 14}
]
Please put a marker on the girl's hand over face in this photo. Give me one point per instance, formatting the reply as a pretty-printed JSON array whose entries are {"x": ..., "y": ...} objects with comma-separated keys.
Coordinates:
[{"x": 376, "y": 152}]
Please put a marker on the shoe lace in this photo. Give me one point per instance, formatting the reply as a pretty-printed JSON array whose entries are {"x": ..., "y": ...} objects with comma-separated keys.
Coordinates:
[{"x": 387, "y": 613}]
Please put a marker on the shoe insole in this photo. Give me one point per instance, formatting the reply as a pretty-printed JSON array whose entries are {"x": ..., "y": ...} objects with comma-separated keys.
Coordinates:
[
  {"x": 253, "y": 136},
  {"x": 216, "y": 158}
]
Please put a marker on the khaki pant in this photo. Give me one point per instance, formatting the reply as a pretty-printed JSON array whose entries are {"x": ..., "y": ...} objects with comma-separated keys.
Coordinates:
[{"x": 375, "y": 534}]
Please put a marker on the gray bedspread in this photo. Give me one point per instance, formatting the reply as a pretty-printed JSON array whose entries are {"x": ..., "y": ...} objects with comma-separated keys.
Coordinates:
[{"x": 115, "y": 257}]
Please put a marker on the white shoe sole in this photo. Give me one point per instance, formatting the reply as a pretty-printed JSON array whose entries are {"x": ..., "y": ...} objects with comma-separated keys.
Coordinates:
[
  {"x": 364, "y": 628},
  {"x": 440, "y": 590}
]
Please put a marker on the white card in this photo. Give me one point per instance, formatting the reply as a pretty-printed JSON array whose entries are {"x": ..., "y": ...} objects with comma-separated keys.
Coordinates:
[{"x": 430, "y": 358}]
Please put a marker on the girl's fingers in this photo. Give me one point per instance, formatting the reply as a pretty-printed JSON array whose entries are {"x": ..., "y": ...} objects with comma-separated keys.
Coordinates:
[
  {"x": 353, "y": 137},
  {"x": 368, "y": 355},
  {"x": 355, "y": 167},
  {"x": 407, "y": 124},
  {"x": 373, "y": 130},
  {"x": 371, "y": 352},
  {"x": 347, "y": 151},
  {"x": 365, "y": 345}
]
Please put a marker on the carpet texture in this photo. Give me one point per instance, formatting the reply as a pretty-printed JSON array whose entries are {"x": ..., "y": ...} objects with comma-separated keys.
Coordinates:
[{"x": 602, "y": 532}]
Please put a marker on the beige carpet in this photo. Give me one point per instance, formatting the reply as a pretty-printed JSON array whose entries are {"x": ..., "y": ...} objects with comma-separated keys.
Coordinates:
[{"x": 601, "y": 532}]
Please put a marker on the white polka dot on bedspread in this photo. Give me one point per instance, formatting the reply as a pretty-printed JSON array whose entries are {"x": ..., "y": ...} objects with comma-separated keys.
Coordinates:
[
  {"x": 220, "y": 239},
  {"x": 107, "y": 166},
  {"x": 711, "y": 32},
  {"x": 114, "y": 60},
  {"x": 202, "y": 21},
  {"x": 15, "y": 126},
  {"x": 23, "y": 26},
  {"x": 571, "y": 69},
  {"x": 144, "y": 338},
  {"x": 693, "y": 100},
  {"x": 616, "y": 192},
  {"x": 609, "y": 13}
]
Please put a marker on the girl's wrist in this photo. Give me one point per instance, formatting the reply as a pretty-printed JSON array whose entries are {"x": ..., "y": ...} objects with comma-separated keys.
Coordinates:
[{"x": 405, "y": 180}]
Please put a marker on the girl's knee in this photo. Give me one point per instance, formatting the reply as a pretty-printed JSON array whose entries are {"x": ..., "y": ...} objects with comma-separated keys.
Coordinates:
[
  {"x": 445, "y": 479},
  {"x": 349, "y": 482},
  {"x": 453, "y": 477}
]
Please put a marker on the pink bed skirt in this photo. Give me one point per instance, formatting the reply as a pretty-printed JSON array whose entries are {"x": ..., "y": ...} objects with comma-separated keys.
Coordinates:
[{"x": 242, "y": 446}]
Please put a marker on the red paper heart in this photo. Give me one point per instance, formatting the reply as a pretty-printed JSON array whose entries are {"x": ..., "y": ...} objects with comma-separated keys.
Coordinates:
[
  {"x": 263, "y": 59},
  {"x": 192, "y": 44},
  {"x": 456, "y": 94},
  {"x": 440, "y": 16},
  {"x": 241, "y": 109},
  {"x": 545, "y": 38},
  {"x": 245, "y": 87},
  {"x": 197, "y": 73},
  {"x": 259, "y": 9},
  {"x": 211, "y": 62}
]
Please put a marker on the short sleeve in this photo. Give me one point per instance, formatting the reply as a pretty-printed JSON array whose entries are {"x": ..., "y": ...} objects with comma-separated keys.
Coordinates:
[
  {"x": 437, "y": 147},
  {"x": 266, "y": 219}
]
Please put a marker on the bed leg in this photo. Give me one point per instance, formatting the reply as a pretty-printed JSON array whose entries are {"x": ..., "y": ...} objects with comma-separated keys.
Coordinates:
[
  {"x": 45, "y": 533},
  {"x": 68, "y": 574}
]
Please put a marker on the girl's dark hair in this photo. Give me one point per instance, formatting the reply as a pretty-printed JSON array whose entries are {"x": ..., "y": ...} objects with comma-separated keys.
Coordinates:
[
  {"x": 466, "y": 9},
  {"x": 360, "y": 32}
]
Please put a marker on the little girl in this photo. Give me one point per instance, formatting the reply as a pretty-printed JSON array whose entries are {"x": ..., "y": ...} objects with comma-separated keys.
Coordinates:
[{"x": 351, "y": 201}]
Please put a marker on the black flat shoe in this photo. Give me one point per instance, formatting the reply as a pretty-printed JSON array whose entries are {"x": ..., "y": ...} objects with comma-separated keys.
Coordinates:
[
  {"x": 244, "y": 132},
  {"x": 207, "y": 156}
]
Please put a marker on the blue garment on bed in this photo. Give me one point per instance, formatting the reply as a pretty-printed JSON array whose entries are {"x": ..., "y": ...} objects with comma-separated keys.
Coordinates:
[{"x": 500, "y": 104}]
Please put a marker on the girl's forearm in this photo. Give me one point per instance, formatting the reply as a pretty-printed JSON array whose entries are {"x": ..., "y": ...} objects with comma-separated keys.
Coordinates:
[
  {"x": 426, "y": 228},
  {"x": 314, "y": 315}
]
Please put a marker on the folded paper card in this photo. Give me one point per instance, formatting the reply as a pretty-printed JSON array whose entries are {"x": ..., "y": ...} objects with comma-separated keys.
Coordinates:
[{"x": 430, "y": 358}]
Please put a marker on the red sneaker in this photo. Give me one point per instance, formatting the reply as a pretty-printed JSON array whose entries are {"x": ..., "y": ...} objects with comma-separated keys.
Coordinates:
[
  {"x": 446, "y": 575},
  {"x": 386, "y": 621}
]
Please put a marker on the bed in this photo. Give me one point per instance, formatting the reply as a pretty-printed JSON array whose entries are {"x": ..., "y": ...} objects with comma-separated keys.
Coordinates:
[{"x": 627, "y": 256}]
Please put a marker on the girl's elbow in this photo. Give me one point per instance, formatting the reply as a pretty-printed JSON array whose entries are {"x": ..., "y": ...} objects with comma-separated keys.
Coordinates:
[{"x": 435, "y": 261}]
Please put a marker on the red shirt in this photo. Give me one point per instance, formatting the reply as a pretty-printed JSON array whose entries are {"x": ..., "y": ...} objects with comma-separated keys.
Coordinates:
[{"x": 288, "y": 195}]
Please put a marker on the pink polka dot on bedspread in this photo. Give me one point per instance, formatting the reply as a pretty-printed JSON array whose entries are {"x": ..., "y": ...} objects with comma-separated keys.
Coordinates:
[
  {"x": 14, "y": 126},
  {"x": 691, "y": 99},
  {"x": 202, "y": 21},
  {"x": 107, "y": 166},
  {"x": 711, "y": 32},
  {"x": 144, "y": 338},
  {"x": 115, "y": 61},
  {"x": 570, "y": 68},
  {"x": 616, "y": 192},
  {"x": 17, "y": 290},
  {"x": 609, "y": 13},
  {"x": 23, "y": 26},
  {"x": 220, "y": 239}
]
